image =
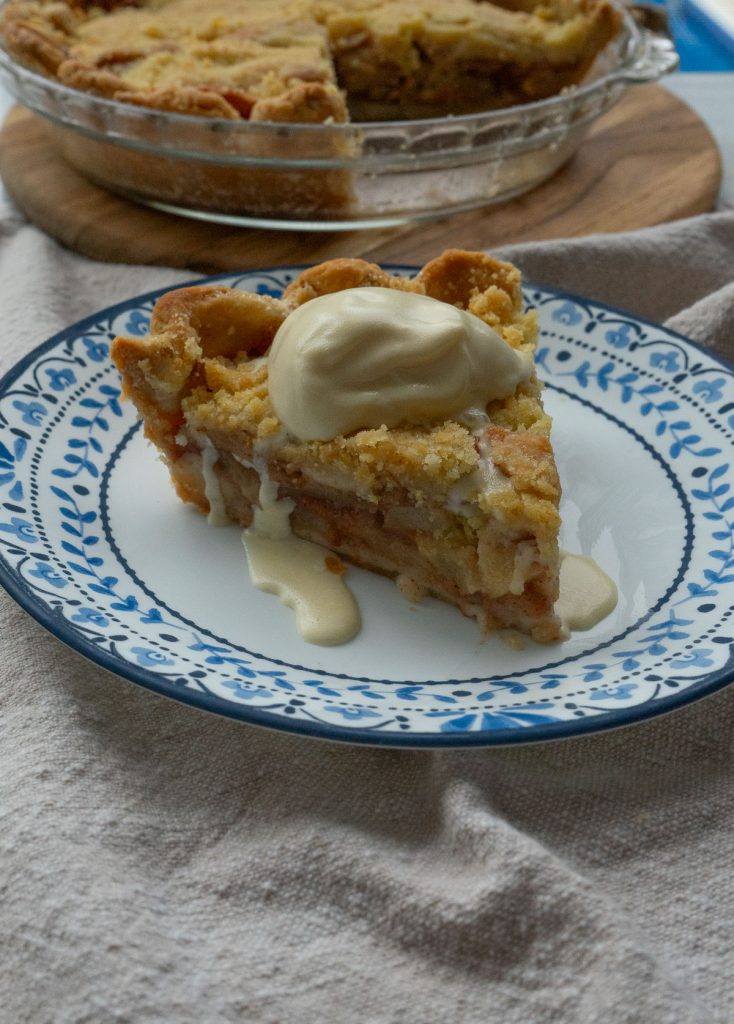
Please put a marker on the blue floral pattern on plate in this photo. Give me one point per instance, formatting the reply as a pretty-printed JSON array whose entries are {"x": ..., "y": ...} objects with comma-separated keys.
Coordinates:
[{"x": 60, "y": 408}]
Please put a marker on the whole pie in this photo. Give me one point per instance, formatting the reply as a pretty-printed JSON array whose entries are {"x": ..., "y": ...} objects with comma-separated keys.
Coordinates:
[
  {"x": 312, "y": 60},
  {"x": 465, "y": 511}
]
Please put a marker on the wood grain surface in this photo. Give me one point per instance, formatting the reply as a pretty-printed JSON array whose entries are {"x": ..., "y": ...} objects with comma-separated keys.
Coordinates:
[{"x": 648, "y": 160}]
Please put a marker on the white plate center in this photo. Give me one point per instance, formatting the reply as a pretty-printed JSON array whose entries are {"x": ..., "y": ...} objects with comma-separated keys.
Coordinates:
[{"x": 619, "y": 506}]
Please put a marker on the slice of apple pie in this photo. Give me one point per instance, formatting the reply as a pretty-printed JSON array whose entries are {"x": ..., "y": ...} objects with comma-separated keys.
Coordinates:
[{"x": 401, "y": 422}]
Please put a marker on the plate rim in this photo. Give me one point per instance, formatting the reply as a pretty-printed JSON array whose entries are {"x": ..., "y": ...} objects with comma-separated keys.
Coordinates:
[{"x": 138, "y": 675}]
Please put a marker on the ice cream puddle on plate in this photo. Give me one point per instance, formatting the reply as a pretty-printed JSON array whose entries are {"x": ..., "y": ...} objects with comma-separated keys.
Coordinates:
[
  {"x": 587, "y": 594},
  {"x": 304, "y": 576},
  {"x": 366, "y": 358}
]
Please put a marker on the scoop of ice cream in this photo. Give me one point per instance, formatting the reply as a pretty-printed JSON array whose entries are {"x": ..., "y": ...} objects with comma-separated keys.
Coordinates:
[{"x": 364, "y": 357}]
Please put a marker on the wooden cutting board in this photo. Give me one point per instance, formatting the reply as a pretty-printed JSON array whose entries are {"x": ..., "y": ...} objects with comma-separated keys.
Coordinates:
[{"x": 648, "y": 160}]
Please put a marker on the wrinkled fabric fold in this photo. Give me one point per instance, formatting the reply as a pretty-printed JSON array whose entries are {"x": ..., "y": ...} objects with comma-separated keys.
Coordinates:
[{"x": 161, "y": 864}]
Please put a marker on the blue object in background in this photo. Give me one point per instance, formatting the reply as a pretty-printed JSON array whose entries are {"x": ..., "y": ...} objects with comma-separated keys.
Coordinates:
[{"x": 702, "y": 44}]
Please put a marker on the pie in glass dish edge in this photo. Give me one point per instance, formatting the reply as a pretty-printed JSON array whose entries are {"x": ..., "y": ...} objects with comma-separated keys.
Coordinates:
[{"x": 307, "y": 61}]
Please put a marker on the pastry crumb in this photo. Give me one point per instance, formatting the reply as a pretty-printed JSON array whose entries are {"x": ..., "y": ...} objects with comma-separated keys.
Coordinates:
[{"x": 410, "y": 589}]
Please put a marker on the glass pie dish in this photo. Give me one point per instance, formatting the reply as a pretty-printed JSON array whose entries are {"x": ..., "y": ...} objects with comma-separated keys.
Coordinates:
[{"x": 332, "y": 176}]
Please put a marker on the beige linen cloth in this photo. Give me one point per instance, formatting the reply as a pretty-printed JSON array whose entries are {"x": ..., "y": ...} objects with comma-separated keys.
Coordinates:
[{"x": 162, "y": 865}]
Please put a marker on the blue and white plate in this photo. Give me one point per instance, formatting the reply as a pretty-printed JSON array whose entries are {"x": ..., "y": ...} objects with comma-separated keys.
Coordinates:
[{"x": 96, "y": 546}]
